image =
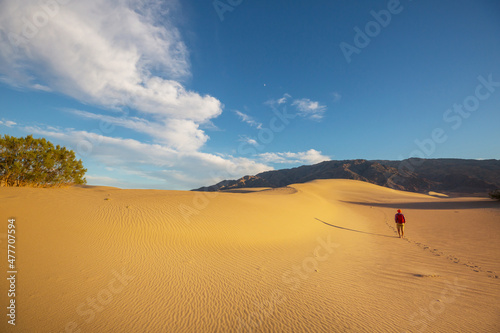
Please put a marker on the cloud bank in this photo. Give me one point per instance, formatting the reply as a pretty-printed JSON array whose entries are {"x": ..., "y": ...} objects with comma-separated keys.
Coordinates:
[
  {"x": 124, "y": 55},
  {"x": 311, "y": 156},
  {"x": 171, "y": 169},
  {"x": 108, "y": 53}
]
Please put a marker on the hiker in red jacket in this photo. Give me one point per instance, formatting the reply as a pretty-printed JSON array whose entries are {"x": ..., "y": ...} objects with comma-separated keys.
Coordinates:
[{"x": 400, "y": 223}]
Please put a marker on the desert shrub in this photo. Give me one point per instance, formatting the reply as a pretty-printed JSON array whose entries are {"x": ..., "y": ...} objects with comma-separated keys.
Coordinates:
[
  {"x": 36, "y": 162},
  {"x": 495, "y": 194}
]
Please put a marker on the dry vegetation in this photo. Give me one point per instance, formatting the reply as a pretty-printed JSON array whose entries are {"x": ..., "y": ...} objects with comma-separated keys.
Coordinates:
[{"x": 31, "y": 162}]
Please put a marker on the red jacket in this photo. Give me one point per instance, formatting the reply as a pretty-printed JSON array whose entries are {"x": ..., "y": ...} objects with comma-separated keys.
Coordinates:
[{"x": 399, "y": 218}]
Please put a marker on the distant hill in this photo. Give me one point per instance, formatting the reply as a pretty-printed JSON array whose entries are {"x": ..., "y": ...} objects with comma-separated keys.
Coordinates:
[{"x": 450, "y": 176}]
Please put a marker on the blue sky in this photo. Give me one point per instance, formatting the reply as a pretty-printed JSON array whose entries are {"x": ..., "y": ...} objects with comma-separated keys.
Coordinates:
[{"x": 180, "y": 94}]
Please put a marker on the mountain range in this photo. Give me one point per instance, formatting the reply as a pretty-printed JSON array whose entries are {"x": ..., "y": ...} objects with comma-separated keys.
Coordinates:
[{"x": 448, "y": 176}]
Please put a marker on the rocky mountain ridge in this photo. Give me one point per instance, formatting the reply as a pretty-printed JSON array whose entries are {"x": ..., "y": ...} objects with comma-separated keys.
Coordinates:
[{"x": 449, "y": 176}]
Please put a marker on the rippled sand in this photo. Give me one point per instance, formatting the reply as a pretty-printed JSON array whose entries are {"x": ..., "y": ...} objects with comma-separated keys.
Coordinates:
[{"x": 315, "y": 257}]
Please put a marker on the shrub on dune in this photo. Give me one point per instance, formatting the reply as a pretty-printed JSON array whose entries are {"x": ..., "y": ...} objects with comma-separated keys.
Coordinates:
[{"x": 38, "y": 163}]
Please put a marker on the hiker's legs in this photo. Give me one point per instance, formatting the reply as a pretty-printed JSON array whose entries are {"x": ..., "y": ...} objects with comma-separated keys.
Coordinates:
[
  {"x": 403, "y": 230},
  {"x": 398, "y": 226}
]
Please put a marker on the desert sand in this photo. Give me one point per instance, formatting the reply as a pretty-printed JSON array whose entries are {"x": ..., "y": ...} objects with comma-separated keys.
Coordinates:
[{"x": 317, "y": 257}]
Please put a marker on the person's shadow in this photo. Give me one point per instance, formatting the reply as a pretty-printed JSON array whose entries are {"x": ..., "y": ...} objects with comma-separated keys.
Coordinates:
[{"x": 362, "y": 232}]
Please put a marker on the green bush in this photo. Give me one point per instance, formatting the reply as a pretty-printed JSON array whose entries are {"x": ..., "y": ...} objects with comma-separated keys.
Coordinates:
[
  {"x": 36, "y": 162},
  {"x": 495, "y": 194}
]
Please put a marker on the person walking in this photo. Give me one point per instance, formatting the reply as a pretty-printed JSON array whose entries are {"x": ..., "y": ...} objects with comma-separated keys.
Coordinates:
[{"x": 400, "y": 223}]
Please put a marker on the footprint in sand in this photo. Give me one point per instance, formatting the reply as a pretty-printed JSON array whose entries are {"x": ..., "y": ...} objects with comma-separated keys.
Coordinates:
[
  {"x": 427, "y": 275},
  {"x": 450, "y": 257}
]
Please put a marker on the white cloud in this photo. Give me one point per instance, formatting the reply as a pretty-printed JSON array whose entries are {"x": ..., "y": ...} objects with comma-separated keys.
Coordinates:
[
  {"x": 179, "y": 134},
  {"x": 306, "y": 108},
  {"x": 109, "y": 53},
  {"x": 311, "y": 156},
  {"x": 248, "y": 140},
  {"x": 310, "y": 109},
  {"x": 7, "y": 123},
  {"x": 248, "y": 119},
  {"x": 171, "y": 169},
  {"x": 37, "y": 86},
  {"x": 336, "y": 96},
  {"x": 101, "y": 180},
  {"x": 279, "y": 101},
  {"x": 284, "y": 99}
]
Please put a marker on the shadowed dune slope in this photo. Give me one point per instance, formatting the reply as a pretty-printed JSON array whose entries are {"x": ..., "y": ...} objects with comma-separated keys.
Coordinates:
[{"x": 317, "y": 257}]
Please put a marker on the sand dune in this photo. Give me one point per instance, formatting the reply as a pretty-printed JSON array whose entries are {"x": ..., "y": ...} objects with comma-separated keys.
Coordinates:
[{"x": 316, "y": 257}]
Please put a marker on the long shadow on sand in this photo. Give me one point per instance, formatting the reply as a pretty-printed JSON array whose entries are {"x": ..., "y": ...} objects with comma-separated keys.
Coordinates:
[
  {"x": 433, "y": 205},
  {"x": 362, "y": 232}
]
